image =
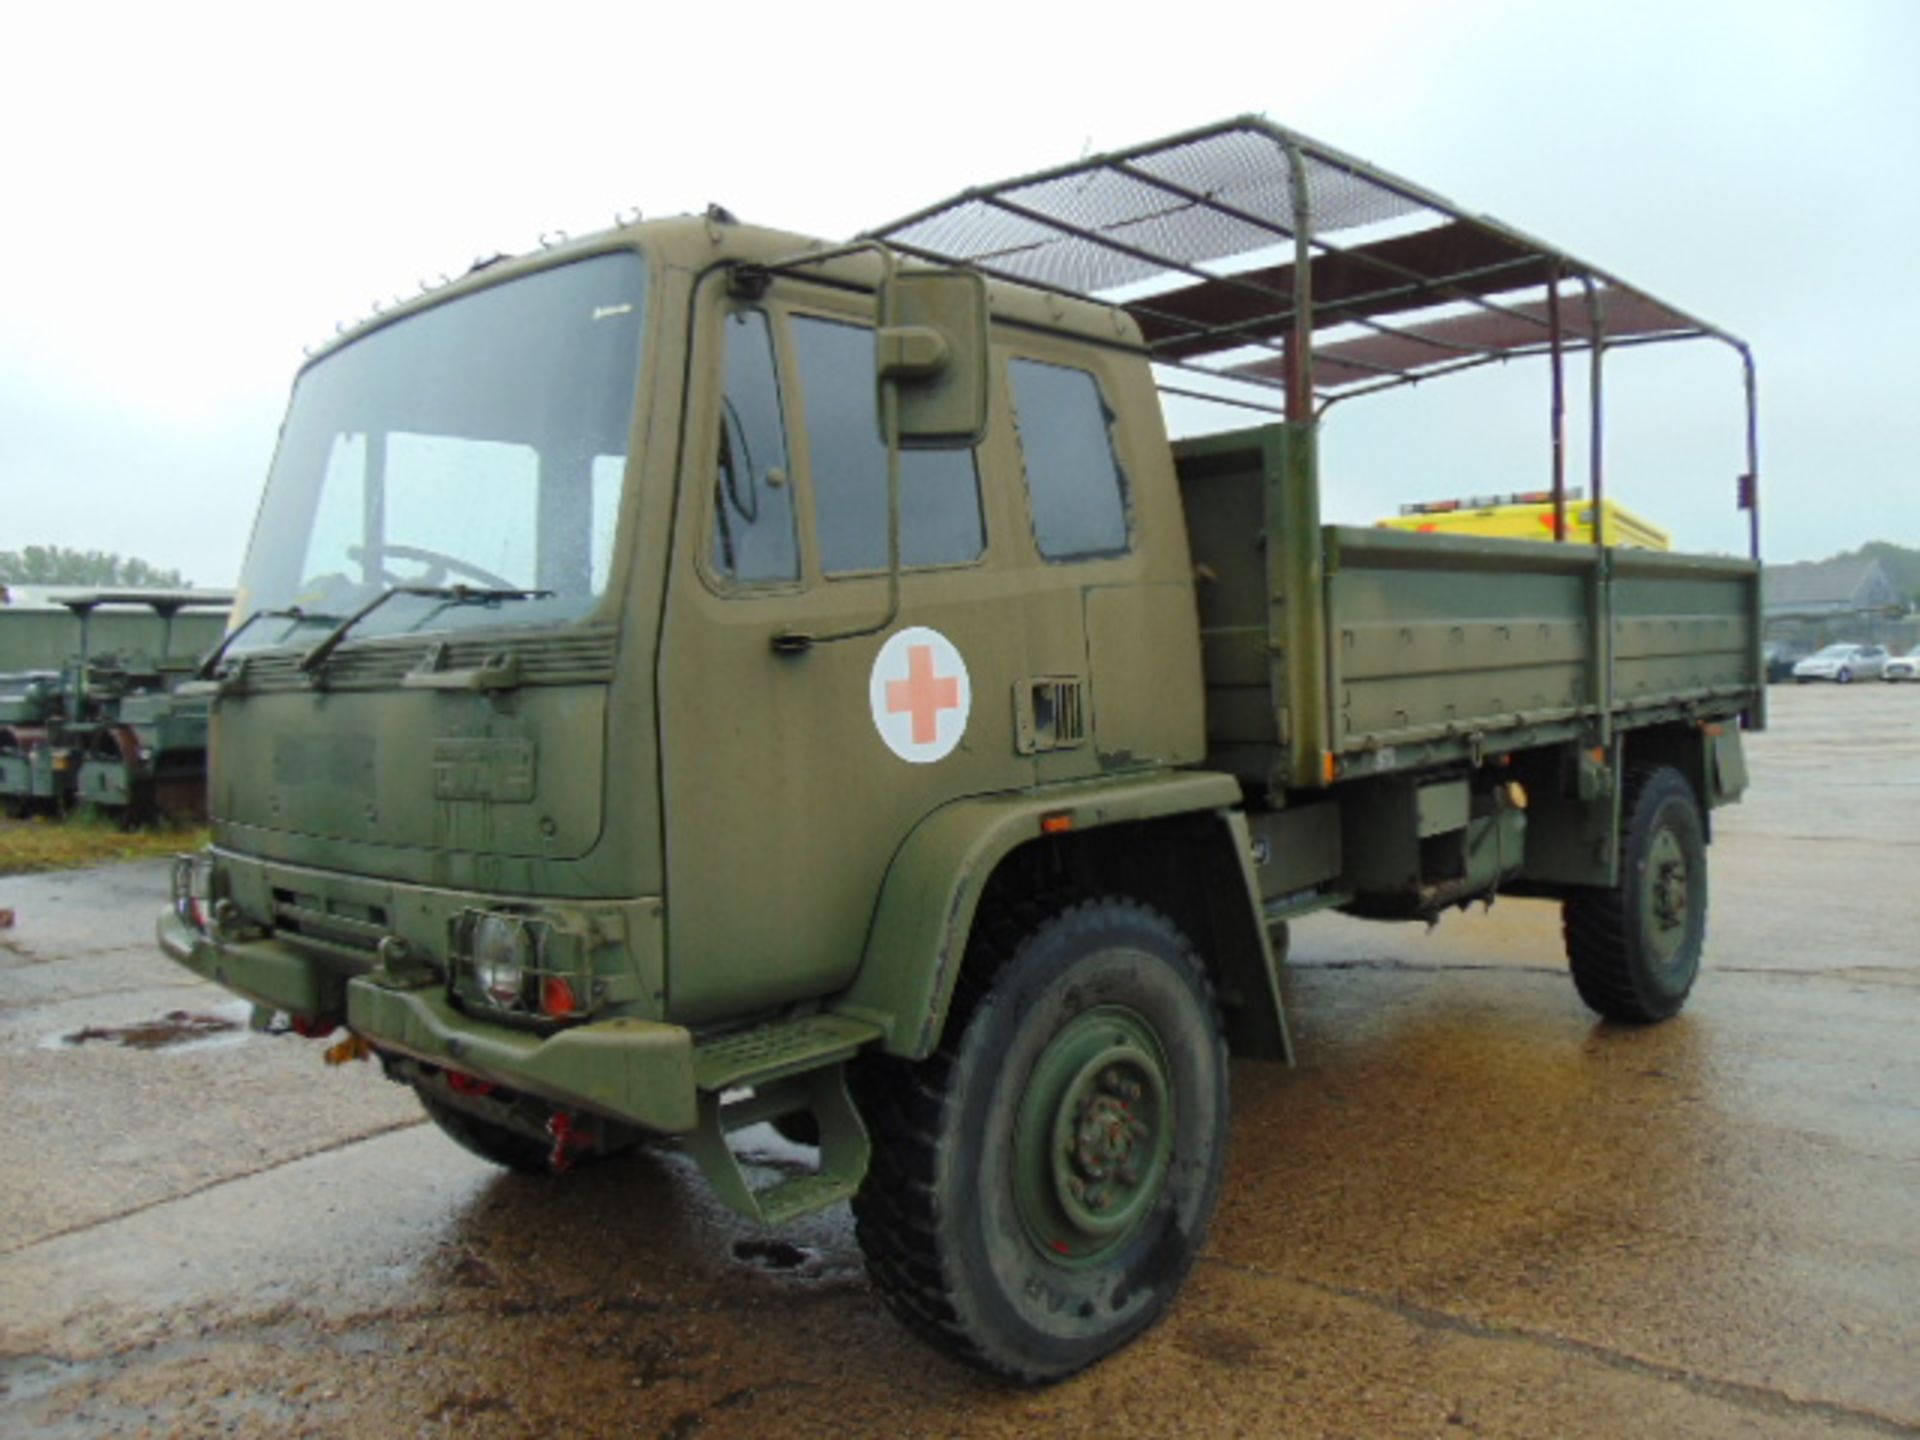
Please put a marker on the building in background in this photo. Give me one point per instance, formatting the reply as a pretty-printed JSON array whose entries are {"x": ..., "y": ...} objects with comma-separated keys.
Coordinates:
[{"x": 1818, "y": 602}]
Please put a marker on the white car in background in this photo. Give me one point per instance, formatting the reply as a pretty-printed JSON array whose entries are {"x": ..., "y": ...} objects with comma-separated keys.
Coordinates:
[
  {"x": 1903, "y": 667},
  {"x": 1842, "y": 663}
]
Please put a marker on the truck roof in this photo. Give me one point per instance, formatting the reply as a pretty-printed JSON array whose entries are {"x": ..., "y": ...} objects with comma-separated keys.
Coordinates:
[
  {"x": 697, "y": 241},
  {"x": 1229, "y": 243}
]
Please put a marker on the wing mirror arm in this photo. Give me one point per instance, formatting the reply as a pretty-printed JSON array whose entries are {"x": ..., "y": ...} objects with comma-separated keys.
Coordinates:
[{"x": 911, "y": 352}]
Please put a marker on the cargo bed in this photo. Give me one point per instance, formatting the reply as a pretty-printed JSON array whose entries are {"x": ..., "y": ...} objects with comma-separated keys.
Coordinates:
[{"x": 1332, "y": 651}]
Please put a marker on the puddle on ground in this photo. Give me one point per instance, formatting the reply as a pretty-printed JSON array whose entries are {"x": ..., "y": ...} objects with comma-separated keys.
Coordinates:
[{"x": 176, "y": 1027}]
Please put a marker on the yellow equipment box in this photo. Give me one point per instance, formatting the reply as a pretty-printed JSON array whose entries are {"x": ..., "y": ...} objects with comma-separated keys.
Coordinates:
[{"x": 1529, "y": 516}]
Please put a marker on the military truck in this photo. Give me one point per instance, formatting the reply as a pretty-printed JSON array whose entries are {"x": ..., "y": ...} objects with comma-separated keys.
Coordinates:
[
  {"x": 29, "y": 699},
  {"x": 698, "y": 676}
]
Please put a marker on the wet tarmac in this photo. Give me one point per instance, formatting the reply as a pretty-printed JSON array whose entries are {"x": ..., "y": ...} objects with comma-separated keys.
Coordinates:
[{"x": 1471, "y": 1210}]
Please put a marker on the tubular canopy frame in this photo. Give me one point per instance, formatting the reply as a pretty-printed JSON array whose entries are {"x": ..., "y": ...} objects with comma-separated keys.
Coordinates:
[{"x": 1252, "y": 254}]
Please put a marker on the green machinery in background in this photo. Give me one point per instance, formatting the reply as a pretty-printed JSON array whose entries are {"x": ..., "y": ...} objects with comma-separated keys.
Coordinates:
[{"x": 89, "y": 713}]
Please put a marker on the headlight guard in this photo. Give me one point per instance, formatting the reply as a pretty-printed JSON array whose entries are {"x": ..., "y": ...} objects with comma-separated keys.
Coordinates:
[{"x": 520, "y": 966}]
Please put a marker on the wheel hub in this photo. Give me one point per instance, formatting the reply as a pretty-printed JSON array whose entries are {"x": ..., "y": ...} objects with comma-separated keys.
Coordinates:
[
  {"x": 1101, "y": 1146},
  {"x": 1667, "y": 898},
  {"x": 1095, "y": 1133},
  {"x": 1670, "y": 894}
]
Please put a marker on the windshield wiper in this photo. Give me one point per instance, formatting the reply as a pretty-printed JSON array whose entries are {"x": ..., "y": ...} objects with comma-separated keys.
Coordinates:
[
  {"x": 204, "y": 671},
  {"x": 447, "y": 594},
  {"x": 469, "y": 595}
]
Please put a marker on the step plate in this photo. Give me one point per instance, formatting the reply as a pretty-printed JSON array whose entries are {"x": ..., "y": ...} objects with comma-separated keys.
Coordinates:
[{"x": 769, "y": 1052}]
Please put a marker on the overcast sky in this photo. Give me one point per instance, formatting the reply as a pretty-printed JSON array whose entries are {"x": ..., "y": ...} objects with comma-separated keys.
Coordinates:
[{"x": 193, "y": 192}]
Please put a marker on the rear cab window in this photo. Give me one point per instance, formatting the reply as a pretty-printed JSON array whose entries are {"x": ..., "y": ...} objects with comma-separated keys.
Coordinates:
[{"x": 1077, "y": 489}]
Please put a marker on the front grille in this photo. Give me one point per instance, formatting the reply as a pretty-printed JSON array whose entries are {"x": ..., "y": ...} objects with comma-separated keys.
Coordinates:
[
  {"x": 336, "y": 922},
  {"x": 576, "y": 657}
]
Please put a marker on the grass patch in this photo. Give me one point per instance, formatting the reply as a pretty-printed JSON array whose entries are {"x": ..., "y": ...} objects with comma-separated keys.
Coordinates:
[{"x": 30, "y": 846}]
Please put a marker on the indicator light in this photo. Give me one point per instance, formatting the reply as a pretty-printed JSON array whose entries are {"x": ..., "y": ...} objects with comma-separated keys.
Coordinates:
[{"x": 556, "y": 996}]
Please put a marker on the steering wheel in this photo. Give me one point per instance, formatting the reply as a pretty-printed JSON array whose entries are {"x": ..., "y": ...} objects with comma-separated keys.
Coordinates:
[{"x": 438, "y": 564}]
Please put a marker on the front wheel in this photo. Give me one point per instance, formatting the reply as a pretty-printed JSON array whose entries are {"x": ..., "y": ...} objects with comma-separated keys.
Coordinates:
[
  {"x": 1042, "y": 1183},
  {"x": 1635, "y": 949},
  {"x": 1845, "y": 677}
]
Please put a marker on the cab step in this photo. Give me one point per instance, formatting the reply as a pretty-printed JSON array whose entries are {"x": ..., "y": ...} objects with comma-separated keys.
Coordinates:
[{"x": 791, "y": 1067}]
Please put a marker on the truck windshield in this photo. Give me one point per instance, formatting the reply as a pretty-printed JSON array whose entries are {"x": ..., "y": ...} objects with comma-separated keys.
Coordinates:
[{"x": 478, "y": 443}]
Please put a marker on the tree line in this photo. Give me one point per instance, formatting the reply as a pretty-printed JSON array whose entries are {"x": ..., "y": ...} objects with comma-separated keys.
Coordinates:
[{"x": 58, "y": 565}]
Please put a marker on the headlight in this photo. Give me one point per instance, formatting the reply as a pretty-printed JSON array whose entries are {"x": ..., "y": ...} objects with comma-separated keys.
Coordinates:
[
  {"x": 502, "y": 955},
  {"x": 193, "y": 890},
  {"x": 524, "y": 967}
]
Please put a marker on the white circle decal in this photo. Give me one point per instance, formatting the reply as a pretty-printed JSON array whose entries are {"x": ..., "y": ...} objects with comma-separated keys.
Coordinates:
[{"x": 919, "y": 694}]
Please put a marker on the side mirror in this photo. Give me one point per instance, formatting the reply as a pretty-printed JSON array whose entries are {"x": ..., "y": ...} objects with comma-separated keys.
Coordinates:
[{"x": 932, "y": 349}]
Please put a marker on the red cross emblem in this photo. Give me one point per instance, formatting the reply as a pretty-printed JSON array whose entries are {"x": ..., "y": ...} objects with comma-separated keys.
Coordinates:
[{"x": 920, "y": 695}]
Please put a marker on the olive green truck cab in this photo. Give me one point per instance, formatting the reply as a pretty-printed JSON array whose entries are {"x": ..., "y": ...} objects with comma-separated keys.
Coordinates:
[{"x": 694, "y": 677}]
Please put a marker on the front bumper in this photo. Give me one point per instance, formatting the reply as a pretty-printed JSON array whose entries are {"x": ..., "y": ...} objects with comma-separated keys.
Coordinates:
[{"x": 638, "y": 1071}]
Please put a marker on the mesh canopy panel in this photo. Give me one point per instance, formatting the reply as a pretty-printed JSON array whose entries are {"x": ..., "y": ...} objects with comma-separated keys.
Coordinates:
[
  {"x": 1199, "y": 236},
  {"x": 1484, "y": 334}
]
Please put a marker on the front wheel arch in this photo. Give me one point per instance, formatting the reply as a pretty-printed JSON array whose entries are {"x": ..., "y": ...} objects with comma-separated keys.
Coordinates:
[{"x": 926, "y": 911}]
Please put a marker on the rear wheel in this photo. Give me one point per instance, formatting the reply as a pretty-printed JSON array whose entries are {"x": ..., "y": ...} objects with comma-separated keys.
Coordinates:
[
  {"x": 1635, "y": 949},
  {"x": 1042, "y": 1183}
]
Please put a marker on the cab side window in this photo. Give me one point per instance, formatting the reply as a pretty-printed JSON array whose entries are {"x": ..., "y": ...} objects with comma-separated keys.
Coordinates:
[
  {"x": 1078, "y": 490},
  {"x": 940, "y": 522},
  {"x": 753, "y": 528}
]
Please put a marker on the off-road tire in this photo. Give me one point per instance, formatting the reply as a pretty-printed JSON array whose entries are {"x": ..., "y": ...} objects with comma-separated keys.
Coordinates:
[
  {"x": 1635, "y": 949},
  {"x": 490, "y": 1141},
  {"x": 1042, "y": 1183}
]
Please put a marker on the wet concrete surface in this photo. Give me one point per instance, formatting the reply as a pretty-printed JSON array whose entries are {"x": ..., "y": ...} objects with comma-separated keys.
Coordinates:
[{"x": 1470, "y": 1210}]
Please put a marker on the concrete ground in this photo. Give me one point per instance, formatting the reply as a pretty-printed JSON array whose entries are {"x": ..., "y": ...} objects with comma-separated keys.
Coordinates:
[{"x": 1470, "y": 1210}]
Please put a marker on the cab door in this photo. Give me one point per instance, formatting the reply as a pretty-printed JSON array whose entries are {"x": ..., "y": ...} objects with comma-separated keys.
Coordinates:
[{"x": 792, "y": 770}]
